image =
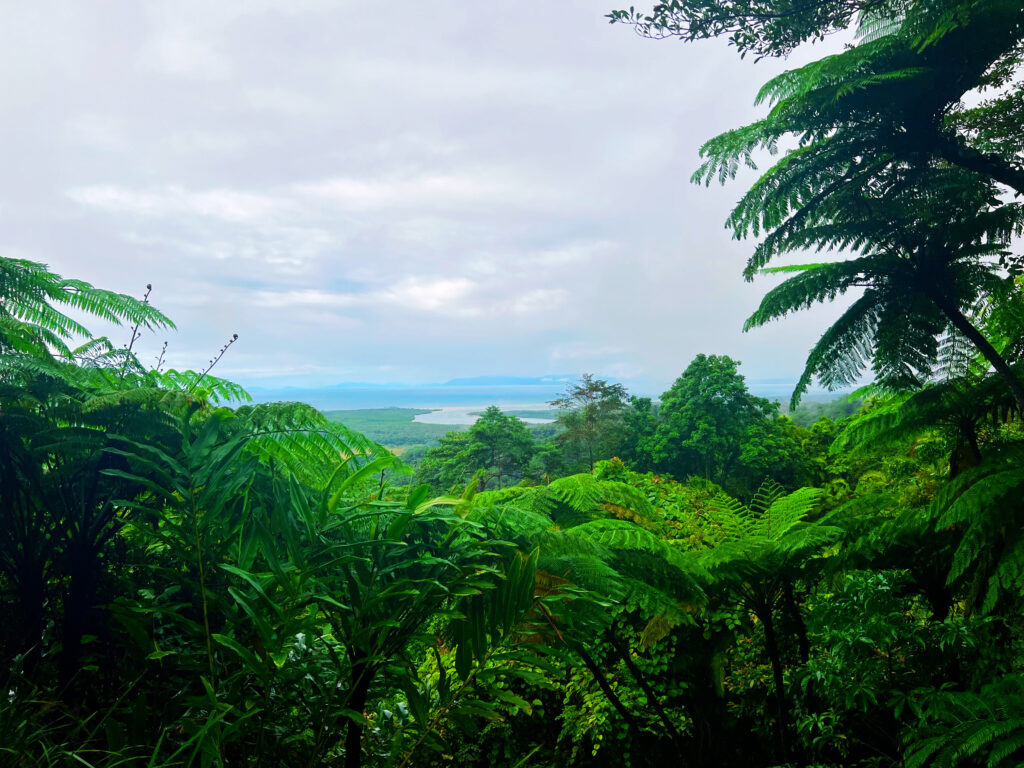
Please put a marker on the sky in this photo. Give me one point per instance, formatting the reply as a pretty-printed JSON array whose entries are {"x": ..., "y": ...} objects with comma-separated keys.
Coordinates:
[{"x": 409, "y": 191}]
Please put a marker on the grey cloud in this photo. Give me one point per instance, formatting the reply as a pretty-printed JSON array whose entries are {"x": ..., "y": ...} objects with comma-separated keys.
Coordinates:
[{"x": 438, "y": 190}]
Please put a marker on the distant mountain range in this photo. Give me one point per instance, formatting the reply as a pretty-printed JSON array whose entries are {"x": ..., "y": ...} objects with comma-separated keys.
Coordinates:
[{"x": 510, "y": 381}]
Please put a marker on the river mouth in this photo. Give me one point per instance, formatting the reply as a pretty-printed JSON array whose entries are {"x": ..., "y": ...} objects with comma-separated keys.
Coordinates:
[{"x": 459, "y": 415}]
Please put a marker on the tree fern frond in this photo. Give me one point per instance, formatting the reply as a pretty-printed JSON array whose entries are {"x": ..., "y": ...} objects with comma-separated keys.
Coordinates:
[
  {"x": 587, "y": 571},
  {"x": 873, "y": 25},
  {"x": 726, "y": 152},
  {"x": 583, "y": 493},
  {"x": 508, "y": 520},
  {"x": 303, "y": 441},
  {"x": 843, "y": 352},
  {"x": 204, "y": 386},
  {"x": 814, "y": 284},
  {"x": 651, "y": 602},
  {"x": 110, "y": 306},
  {"x": 624, "y": 535},
  {"x": 983, "y": 503},
  {"x": 968, "y": 727},
  {"x": 30, "y": 293}
]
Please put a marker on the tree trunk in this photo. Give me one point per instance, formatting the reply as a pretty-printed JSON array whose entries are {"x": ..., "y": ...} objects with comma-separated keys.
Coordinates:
[
  {"x": 772, "y": 646},
  {"x": 966, "y": 453},
  {"x": 960, "y": 154},
  {"x": 962, "y": 324},
  {"x": 361, "y": 675},
  {"x": 799, "y": 627},
  {"x": 603, "y": 684},
  {"x": 652, "y": 697},
  {"x": 79, "y": 605}
]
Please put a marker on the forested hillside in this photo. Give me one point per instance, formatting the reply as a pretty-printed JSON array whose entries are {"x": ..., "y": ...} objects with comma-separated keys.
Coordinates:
[{"x": 190, "y": 579}]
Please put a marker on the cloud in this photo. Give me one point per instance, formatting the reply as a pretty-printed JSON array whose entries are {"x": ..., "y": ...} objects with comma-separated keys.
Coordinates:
[
  {"x": 580, "y": 350},
  {"x": 224, "y": 204},
  {"x": 426, "y": 191},
  {"x": 538, "y": 301},
  {"x": 186, "y": 56},
  {"x": 430, "y": 295},
  {"x": 444, "y": 297},
  {"x": 351, "y": 189}
]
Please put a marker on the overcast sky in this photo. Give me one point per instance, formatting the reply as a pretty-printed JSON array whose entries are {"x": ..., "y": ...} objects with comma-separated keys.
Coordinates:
[{"x": 402, "y": 191}]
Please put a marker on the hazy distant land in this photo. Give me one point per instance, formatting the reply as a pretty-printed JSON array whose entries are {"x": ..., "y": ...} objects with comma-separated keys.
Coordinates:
[{"x": 505, "y": 391}]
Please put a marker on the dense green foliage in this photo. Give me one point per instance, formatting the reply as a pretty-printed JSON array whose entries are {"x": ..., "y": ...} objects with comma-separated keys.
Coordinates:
[
  {"x": 200, "y": 585},
  {"x": 592, "y": 420},
  {"x": 496, "y": 449},
  {"x": 393, "y": 427},
  {"x": 811, "y": 411},
  {"x": 191, "y": 580}
]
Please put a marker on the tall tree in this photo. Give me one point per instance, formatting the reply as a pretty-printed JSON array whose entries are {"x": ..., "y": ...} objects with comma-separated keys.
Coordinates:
[
  {"x": 761, "y": 27},
  {"x": 446, "y": 465},
  {"x": 497, "y": 447},
  {"x": 889, "y": 159},
  {"x": 592, "y": 417},
  {"x": 765, "y": 547},
  {"x": 641, "y": 422},
  {"x": 704, "y": 418},
  {"x": 501, "y": 446}
]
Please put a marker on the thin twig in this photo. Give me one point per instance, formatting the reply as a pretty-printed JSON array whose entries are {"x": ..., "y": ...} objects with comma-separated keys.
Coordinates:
[
  {"x": 160, "y": 359},
  {"x": 135, "y": 333},
  {"x": 213, "y": 362}
]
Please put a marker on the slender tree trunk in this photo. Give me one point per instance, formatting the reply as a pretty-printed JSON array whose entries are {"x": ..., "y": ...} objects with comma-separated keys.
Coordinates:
[
  {"x": 800, "y": 628},
  {"x": 772, "y": 646},
  {"x": 962, "y": 324},
  {"x": 605, "y": 686},
  {"x": 966, "y": 453},
  {"x": 78, "y": 608},
  {"x": 354, "y": 735},
  {"x": 652, "y": 697}
]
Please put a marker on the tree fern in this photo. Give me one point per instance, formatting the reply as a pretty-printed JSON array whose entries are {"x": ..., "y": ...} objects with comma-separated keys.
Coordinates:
[
  {"x": 508, "y": 519},
  {"x": 875, "y": 171},
  {"x": 585, "y": 544},
  {"x": 30, "y": 320},
  {"x": 983, "y": 504},
  {"x": 582, "y": 493},
  {"x": 971, "y": 728},
  {"x": 624, "y": 538},
  {"x": 917, "y": 284},
  {"x": 957, "y": 410},
  {"x": 304, "y": 442}
]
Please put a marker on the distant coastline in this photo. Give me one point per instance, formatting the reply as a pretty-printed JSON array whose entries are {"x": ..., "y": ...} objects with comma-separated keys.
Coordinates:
[
  {"x": 428, "y": 398},
  {"x": 468, "y": 414},
  {"x": 476, "y": 395}
]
